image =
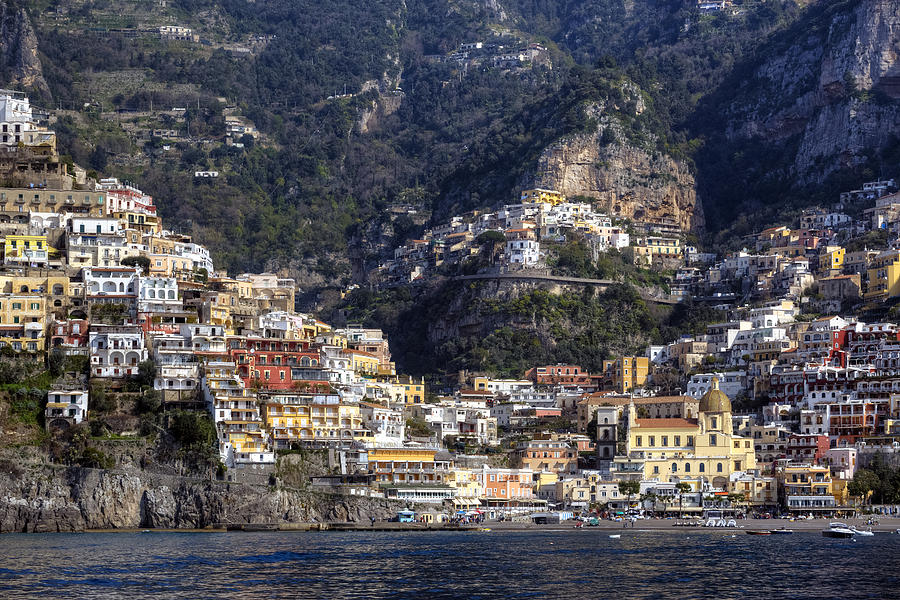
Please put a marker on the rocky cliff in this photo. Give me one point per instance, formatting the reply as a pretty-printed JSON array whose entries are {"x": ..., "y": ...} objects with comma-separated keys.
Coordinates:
[
  {"x": 830, "y": 85},
  {"x": 20, "y": 66},
  {"x": 43, "y": 498},
  {"x": 628, "y": 181}
]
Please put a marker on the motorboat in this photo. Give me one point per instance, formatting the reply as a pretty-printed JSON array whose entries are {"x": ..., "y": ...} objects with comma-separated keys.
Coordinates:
[
  {"x": 782, "y": 531},
  {"x": 839, "y": 530},
  {"x": 758, "y": 532},
  {"x": 615, "y": 536},
  {"x": 863, "y": 532}
]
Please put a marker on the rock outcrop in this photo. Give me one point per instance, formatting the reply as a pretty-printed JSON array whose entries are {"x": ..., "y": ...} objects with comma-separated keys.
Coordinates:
[
  {"x": 47, "y": 498},
  {"x": 626, "y": 180},
  {"x": 831, "y": 85},
  {"x": 19, "y": 62}
]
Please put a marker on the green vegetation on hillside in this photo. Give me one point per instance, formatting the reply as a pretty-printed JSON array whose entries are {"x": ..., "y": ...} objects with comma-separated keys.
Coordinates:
[{"x": 454, "y": 326}]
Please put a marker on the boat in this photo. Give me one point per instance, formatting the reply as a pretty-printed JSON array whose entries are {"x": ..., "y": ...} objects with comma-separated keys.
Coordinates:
[
  {"x": 484, "y": 529},
  {"x": 838, "y": 530},
  {"x": 615, "y": 536},
  {"x": 758, "y": 532},
  {"x": 863, "y": 532},
  {"x": 782, "y": 531}
]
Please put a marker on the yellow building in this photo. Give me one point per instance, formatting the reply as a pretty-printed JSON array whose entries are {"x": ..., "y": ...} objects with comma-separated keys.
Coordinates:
[
  {"x": 144, "y": 223},
  {"x": 809, "y": 488},
  {"x": 363, "y": 363},
  {"x": 54, "y": 287},
  {"x": 311, "y": 418},
  {"x": 653, "y": 248},
  {"x": 414, "y": 392},
  {"x": 23, "y": 321},
  {"x": 673, "y": 449},
  {"x": 468, "y": 490},
  {"x": 831, "y": 258},
  {"x": 27, "y": 250},
  {"x": 552, "y": 197},
  {"x": 627, "y": 372},
  {"x": 408, "y": 465},
  {"x": 884, "y": 275}
]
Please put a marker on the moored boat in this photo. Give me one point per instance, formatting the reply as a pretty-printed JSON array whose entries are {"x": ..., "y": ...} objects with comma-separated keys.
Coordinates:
[
  {"x": 759, "y": 532},
  {"x": 782, "y": 531},
  {"x": 838, "y": 530}
]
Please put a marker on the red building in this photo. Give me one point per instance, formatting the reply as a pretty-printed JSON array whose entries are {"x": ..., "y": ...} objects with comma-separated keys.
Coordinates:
[
  {"x": 806, "y": 448},
  {"x": 71, "y": 333},
  {"x": 559, "y": 374},
  {"x": 273, "y": 363}
]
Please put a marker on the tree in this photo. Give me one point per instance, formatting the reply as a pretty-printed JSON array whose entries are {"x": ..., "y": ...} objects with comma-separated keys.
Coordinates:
[
  {"x": 146, "y": 373},
  {"x": 137, "y": 261},
  {"x": 191, "y": 428},
  {"x": 864, "y": 484},
  {"x": 491, "y": 241},
  {"x": 630, "y": 488},
  {"x": 682, "y": 488}
]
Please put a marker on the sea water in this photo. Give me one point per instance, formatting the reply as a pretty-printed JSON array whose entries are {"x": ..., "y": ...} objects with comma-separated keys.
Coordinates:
[{"x": 468, "y": 565}]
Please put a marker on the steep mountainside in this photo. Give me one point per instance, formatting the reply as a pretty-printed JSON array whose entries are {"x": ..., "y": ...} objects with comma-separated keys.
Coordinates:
[
  {"x": 640, "y": 105},
  {"x": 20, "y": 67},
  {"x": 822, "y": 100}
]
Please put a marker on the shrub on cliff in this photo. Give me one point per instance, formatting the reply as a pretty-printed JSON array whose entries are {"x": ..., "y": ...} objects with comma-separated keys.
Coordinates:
[{"x": 192, "y": 429}]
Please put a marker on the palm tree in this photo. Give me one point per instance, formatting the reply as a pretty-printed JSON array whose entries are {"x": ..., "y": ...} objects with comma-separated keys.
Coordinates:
[{"x": 682, "y": 488}]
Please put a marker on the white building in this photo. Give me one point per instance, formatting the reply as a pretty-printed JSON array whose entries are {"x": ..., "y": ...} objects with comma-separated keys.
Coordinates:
[
  {"x": 730, "y": 382},
  {"x": 387, "y": 425},
  {"x": 111, "y": 281},
  {"x": 116, "y": 351},
  {"x": 523, "y": 252},
  {"x": 158, "y": 294},
  {"x": 69, "y": 405},
  {"x": 176, "y": 366},
  {"x": 18, "y": 125}
]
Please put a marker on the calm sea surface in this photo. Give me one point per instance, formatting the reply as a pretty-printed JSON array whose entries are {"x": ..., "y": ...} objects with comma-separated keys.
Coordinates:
[{"x": 546, "y": 564}]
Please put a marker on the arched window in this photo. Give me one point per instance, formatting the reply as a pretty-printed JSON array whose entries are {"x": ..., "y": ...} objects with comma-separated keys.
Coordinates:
[
  {"x": 702, "y": 468},
  {"x": 687, "y": 467},
  {"x": 605, "y": 420},
  {"x": 57, "y": 290},
  {"x": 718, "y": 467},
  {"x": 24, "y": 289},
  {"x": 674, "y": 467},
  {"x": 172, "y": 295}
]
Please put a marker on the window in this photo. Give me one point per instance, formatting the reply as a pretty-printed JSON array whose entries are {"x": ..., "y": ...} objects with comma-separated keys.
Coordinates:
[
  {"x": 677, "y": 440},
  {"x": 638, "y": 441},
  {"x": 652, "y": 441},
  {"x": 714, "y": 423},
  {"x": 702, "y": 467},
  {"x": 674, "y": 467},
  {"x": 665, "y": 440},
  {"x": 687, "y": 467},
  {"x": 718, "y": 467},
  {"x": 656, "y": 470},
  {"x": 712, "y": 439},
  {"x": 690, "y": 440}
]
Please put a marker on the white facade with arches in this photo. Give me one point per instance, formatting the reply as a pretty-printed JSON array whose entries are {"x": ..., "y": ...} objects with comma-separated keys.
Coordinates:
[{"x": 116, "y": 351}]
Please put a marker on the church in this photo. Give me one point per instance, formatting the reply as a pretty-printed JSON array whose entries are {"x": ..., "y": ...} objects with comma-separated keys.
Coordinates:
[{"x": 703, "y": 450}]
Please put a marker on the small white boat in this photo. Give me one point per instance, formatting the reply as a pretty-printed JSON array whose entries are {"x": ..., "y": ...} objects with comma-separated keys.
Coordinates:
[
  {"x": 615, "y": 536},
  {"x": 838, "y": 530},
  {"x": 863, "y": 532}
]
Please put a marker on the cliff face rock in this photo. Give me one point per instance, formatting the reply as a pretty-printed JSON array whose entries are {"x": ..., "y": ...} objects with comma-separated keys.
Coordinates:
[
  {"x": 45, "y": 498},
  {"x": 835, "y": 88},
  {"x": 627, "y": 181},
  {"x": 19, "y": 62}
]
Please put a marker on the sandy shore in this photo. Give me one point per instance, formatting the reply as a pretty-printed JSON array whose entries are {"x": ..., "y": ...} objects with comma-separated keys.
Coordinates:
[{"x": 883, "y": 525}]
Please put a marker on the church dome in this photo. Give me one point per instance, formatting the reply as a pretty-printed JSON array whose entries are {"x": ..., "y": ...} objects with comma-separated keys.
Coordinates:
[{"x": 715, "y": 399}]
